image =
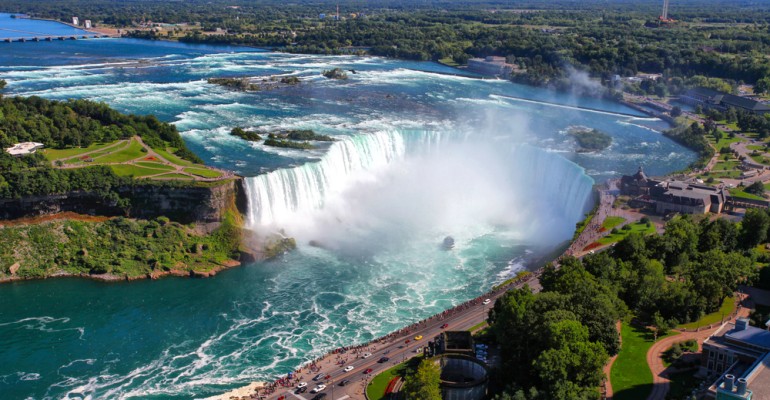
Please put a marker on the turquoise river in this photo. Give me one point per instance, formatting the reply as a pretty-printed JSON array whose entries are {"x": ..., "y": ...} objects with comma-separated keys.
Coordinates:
[{"x": 422, "y": 153}]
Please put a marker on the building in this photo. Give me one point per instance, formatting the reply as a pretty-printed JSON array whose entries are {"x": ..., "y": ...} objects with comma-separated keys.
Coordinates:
[
  {"x": 75, "y": 21},
  {"x": 87, "y": 24},
  {"x": 709, "y": 98},
  {"x": 737, "y": 351},
  {"x": 491, "y": 65},
  {"x": 637, "y": 184},
  {"x": 23, "y": 149},
  {"x": 688, "y": 198}
]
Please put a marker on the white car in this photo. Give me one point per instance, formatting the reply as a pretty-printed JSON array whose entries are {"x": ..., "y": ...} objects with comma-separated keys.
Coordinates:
[
  {"x": 366, "y": 355},
  {"x": 348, "y": 368},
  {"x": 301, "y": 385},
  {"x": 318, "y": 388},
  {"x": 486, "y": 301}
]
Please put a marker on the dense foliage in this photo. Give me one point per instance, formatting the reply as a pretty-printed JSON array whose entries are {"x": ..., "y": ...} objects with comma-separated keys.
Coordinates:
[
  {"x": 119, "y": 247},
  {"x": 556, "y": 342},
  {"x": 71, "y": 123},
  {"x": 591, "y": 139},
  {"x": 692, "y": 137},
  {"x": 423, "y": 384}
]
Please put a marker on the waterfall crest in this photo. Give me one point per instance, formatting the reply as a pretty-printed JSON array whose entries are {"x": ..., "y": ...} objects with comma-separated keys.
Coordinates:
[{"x": 556, "y": 185}]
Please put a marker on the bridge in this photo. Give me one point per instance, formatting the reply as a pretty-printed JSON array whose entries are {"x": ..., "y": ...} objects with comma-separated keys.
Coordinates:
[{"x": 28, "y": 36}]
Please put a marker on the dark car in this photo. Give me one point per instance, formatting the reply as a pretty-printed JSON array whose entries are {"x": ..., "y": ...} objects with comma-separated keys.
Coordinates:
[
  {"x": 301, "y": 390},
  {"x": 317, "y": 377},
  {"x": 319, "y": 396},
  {"x": 383, "y": 360},
  {"x": 344, "y": 382}
]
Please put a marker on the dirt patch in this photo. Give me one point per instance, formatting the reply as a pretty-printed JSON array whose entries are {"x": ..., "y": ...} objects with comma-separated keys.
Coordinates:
[{"x": 53, "y": 217}]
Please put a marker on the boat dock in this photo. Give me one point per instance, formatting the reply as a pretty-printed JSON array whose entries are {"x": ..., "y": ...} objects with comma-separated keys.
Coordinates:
[{"x": 51, "y": 38}]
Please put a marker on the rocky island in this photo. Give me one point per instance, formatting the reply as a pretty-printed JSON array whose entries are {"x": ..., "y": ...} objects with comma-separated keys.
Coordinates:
[{"x": 588, "y": 139}]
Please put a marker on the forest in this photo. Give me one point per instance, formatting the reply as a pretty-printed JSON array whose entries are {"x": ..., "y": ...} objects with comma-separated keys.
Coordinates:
[
  {"x": 72, "y": 123},
  {"x": 556, "y": 342},
  {"x": 724, "y": 39}
]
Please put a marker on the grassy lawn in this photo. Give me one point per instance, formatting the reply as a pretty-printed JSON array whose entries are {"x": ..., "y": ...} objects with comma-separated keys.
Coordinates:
[
  {"x": 172, "y": 158},
  {"x": 478, "y": 326},
  {"x": 58, "y": 154},
  {"x": 724, "y": 142},
  {"x": 130, "y": 152},
  {"x": 741, "y": 194},
  {"x": 637, "y": 227},
  {"x": 760, "y": 159},
  {"x": 726, "y": 165},
  {"x": 134, "y": 170},
  {"x": 611, "y": 222},
  {"x": 150, "y": 164},
  {"x": 755, "y": 147},
  {"x": 727, "y": 307},
  {"x": 203, "y": 172},
  {"x": 630, "y": 375},
  {"x": 449, "y": 61},
  {"x": 376, "y": 388},
  {"x": 174, "y": 176}
]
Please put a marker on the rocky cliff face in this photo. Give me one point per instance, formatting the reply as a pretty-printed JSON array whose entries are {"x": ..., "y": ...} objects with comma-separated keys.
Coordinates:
[{"x": 194, "y": 204}]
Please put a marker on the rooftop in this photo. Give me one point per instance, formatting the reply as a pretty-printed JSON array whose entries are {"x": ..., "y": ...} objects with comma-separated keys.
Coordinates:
[
  {"x": 751, "y": 335},
  {"x": 759, "y": 380},
  {"x": 20, "y": 149}
]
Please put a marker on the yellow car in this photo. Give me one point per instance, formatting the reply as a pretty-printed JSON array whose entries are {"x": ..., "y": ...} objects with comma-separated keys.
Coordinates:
[{"x": 418, "y": 337}]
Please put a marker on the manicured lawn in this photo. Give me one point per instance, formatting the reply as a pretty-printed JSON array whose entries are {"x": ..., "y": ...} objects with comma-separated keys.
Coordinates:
[
  {"x": 58, "y": 154},
  {"x": 130, "y": 152},
  {"x": 204, "y": 172},
  {"x": 741, "y": 194},
  {"x": 755, "y": 147},
  {"x": 630, "y": 375},
  {"x": 478, "y": 326},
  {"x": 611, "y": 222},
  {"x": 376, "y": 388},
  {"x": 134, "y": 170},
  {"x": 760, "y": 159},
  {"x": 168, "y": 155},
  {"x": 726, "y": 165},
  {"x": 150, "y": 164},
  {"x": 724, "y": 142},
  {"x": 174, "y": 176},
  {"x": 727, "y": 307},
  {"x": 449, "y": 61},
  {"x": 637, "y": 227}
]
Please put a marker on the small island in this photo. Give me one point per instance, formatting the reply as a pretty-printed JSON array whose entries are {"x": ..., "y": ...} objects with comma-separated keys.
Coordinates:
[
  {"x": 336, "y": 73},
  {"x": 292, "y": 139},
  {"x": 588, "y": 139},
  {"x": 256, "y": 84}
]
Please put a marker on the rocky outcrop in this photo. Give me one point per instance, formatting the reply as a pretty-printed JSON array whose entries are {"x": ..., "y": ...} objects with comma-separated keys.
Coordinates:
[{"x": 202, "y": 205}]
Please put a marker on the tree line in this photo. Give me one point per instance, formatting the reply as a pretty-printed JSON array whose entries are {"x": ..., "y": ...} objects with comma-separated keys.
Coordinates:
[{"x": 554, "y": 343}]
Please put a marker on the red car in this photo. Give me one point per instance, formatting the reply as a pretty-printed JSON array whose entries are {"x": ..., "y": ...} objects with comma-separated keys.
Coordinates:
[
  {"x": 444, "y": 326},
  {"x": 368, "y": 371}
]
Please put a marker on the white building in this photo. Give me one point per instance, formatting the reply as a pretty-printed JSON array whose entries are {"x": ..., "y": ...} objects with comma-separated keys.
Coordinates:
[
  {"x": 23, "y": 149},
  {"x": 87, "y": 24},
  {"x": 75, "y": 21}
]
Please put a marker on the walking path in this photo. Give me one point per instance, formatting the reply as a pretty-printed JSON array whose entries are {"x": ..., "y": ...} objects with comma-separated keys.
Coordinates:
[
  {"x": 607, "y": 368},
  {"x": 661, "y": 383}
]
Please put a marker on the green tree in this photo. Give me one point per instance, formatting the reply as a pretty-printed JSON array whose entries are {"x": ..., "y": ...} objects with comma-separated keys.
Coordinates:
[
  {"x": 756, "y": 188},
  {"x": 424, "y": 383},
  {"x": 754, "y": 227},
  {"x": 762, "y": 86}
]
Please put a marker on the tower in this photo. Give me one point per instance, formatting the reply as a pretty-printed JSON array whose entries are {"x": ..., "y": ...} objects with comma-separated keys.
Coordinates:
[
  {"x": 664, "y": 16},
  {"x": 338, "y": 11}
]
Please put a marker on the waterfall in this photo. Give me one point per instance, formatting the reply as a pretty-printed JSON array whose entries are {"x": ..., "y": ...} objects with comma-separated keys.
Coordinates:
[{"x": 547, "y": 179}]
